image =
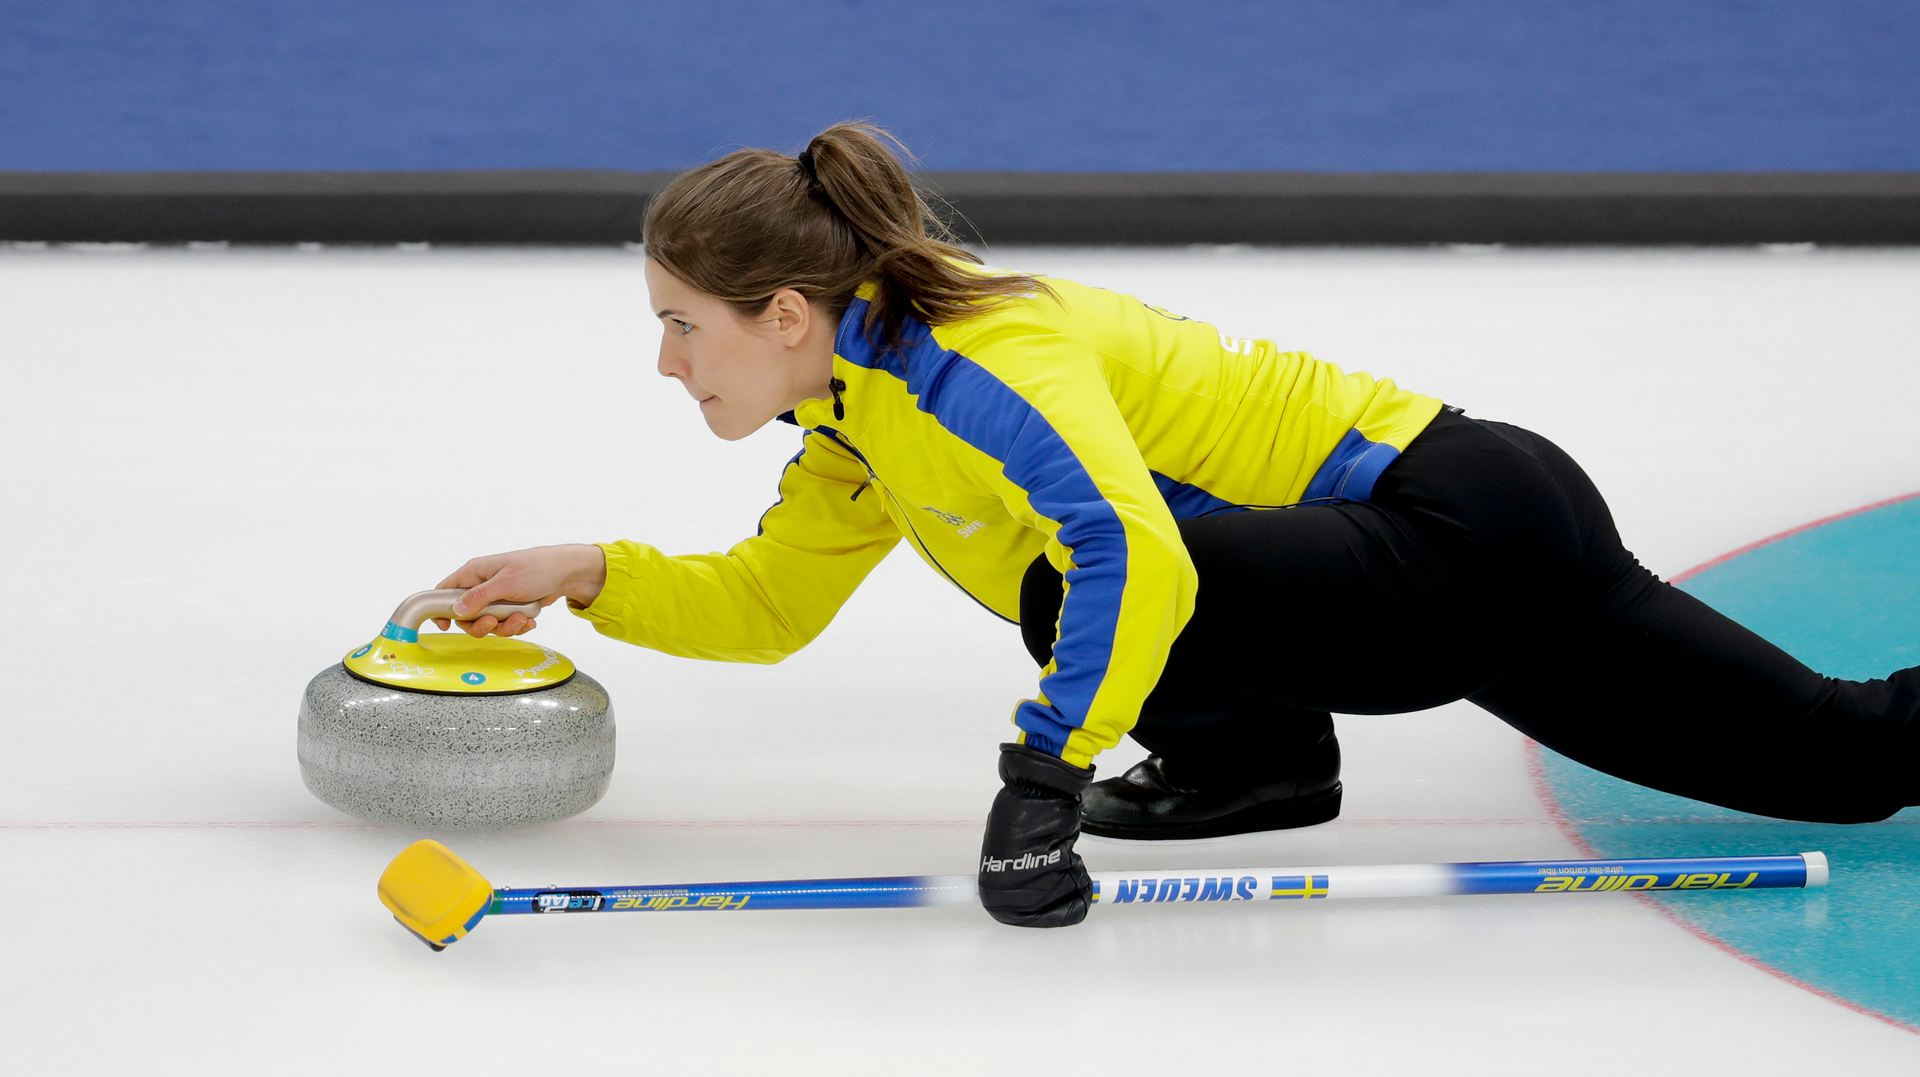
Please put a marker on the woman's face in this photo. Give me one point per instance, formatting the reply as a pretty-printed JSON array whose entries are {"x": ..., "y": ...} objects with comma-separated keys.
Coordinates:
[{"x": 743, "y": 371}]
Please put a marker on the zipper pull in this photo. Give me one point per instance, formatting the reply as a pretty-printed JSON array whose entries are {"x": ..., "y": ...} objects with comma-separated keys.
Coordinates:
[
  {"x": 862, "y": 489},
  {"x": 836, "y": 387}
]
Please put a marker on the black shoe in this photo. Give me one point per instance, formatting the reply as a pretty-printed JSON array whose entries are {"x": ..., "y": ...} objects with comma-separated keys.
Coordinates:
[{"x": 1145, "y": 805}]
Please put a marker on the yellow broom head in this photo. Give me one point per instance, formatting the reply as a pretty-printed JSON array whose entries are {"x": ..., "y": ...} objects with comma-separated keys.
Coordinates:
[{"x": 434, "y": 894}]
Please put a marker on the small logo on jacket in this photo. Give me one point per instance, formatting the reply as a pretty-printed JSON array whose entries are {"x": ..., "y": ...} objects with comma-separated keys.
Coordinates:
[
  {"x": 962, "y": 526},
  {"x": 1021, "y": 862},
  {"x": 1239, "y": 345}
]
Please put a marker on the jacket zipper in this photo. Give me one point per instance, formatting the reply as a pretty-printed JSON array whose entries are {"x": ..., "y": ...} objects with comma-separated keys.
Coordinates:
[{"x": 920, "y": 544}]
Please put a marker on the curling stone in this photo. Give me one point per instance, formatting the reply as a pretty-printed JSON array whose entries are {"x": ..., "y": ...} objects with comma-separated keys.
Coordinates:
[{"x": 446, "y": 732}]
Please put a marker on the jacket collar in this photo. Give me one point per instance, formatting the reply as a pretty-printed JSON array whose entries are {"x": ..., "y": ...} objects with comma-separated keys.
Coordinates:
[{"x": 819, "y": 412}]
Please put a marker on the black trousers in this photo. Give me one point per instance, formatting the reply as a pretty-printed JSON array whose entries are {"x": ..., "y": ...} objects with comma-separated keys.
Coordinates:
[{"x": 1486, "y": 567}]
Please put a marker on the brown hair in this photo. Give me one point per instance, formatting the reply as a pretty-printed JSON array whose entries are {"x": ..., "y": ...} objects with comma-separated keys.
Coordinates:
[{"x": 840, "y": 214}]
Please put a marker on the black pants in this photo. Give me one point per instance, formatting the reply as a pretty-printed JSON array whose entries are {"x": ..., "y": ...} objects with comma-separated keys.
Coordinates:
[{"x": 1487, "y": 567}]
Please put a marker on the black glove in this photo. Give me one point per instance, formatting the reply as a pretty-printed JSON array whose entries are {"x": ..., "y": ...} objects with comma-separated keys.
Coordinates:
[{"x": 1029, "y": 874}]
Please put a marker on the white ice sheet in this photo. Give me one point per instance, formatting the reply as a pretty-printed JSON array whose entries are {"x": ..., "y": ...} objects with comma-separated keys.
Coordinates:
[{"x": 224, "y": 468}]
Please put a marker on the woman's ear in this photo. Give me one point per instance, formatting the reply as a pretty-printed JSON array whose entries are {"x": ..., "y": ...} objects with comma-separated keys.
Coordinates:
[{"x": 789, "y": 315}]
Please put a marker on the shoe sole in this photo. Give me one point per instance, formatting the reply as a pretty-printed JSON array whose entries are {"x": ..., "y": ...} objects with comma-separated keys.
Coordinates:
[{"x": 1288, "y": 814}]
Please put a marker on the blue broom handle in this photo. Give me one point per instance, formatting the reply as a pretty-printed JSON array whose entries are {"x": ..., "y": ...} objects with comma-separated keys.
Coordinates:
[{"x": 1684, "y": 874}]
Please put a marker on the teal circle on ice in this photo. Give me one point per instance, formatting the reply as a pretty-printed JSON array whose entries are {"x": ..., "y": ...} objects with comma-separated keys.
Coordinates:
[{"x": 1842, "y": 596}]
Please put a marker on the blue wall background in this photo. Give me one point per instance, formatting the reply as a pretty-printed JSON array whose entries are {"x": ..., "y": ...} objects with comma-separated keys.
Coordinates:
[{"x": 984, "y": 84}]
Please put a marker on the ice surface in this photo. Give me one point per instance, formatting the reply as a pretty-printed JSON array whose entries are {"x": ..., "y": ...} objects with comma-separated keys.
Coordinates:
[{"x": 225, "y": 467}]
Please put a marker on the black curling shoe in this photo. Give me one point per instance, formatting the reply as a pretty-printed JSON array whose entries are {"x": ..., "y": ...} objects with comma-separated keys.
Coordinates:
[{"x": 1144, "y": 804}]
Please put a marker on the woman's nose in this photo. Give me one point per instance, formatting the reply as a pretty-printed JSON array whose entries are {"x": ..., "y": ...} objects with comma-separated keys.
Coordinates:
[{"x": 670, "y": 365}]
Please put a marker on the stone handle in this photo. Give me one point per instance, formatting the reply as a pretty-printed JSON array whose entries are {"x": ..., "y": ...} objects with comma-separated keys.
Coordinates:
[{"x": 420, "y": 608}]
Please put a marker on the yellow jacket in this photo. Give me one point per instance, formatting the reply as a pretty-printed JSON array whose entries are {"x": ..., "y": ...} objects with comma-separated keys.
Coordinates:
[{"x": 1078, "y": 429}]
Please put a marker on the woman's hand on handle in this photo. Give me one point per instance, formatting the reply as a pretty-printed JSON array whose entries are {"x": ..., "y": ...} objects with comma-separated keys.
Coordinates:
[{"x": 543, "y": 574}]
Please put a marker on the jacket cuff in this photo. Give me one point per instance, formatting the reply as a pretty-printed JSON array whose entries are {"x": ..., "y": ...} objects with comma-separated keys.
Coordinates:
[
  {"x": 1023, "y": 765},
  {"x": 615, "y": 596}
]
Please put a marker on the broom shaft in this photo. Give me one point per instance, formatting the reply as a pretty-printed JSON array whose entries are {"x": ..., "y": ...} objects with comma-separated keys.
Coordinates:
[{"x": 1200, "y": 885}]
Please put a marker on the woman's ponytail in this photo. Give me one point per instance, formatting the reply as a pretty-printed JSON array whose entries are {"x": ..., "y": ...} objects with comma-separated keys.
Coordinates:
[{"x": 842, "y": 213}]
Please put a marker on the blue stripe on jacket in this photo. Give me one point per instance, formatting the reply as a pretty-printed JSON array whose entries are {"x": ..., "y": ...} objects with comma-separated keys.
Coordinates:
[
  {"x": 986, "y": 413},
  {"x": 1351, "y": 469},
  {"x": 1187, "y": 502}
]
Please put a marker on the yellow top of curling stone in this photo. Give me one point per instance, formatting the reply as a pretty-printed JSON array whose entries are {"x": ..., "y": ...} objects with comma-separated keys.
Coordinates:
[{"x": 454, "y": 662}]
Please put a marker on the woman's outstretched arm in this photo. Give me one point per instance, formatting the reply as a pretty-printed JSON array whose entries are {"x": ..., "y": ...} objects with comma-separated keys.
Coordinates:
[{"x": 760, "y": 601}]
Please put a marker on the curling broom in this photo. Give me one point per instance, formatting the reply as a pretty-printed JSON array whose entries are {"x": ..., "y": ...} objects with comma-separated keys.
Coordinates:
[{"x": 440, "y": 897}]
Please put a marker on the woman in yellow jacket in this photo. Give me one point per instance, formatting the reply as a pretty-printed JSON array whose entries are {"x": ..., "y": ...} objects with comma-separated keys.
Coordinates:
[{"x": 1207, "y": 543}]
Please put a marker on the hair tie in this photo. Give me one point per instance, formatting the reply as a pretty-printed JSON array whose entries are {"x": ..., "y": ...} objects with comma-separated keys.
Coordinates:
[{"x": 806, "y": 165}]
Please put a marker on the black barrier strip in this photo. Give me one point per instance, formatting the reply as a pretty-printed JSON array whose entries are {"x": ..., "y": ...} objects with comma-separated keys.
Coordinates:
[{"x": 565, "y": 207}]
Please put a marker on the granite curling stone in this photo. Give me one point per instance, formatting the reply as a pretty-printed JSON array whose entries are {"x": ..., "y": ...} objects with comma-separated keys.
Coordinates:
[{"x": 447, "y": 732}]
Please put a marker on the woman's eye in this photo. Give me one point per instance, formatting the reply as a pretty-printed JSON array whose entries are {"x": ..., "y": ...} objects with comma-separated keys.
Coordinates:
[{"x": 684, "y": 327}]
